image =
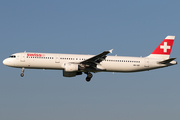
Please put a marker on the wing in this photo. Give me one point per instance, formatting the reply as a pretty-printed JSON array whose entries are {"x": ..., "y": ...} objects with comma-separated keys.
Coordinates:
[{"x": 93, "y": 61}]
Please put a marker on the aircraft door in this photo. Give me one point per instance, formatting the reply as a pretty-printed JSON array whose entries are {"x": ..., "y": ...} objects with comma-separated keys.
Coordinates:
[
  {"x": 146, "y": 62},
  {"x": 22, "y": 57},
  {"x": 57, "y": 59}
]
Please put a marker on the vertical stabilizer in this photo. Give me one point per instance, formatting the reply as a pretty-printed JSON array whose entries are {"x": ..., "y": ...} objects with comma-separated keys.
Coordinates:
[{"x": 164, "y": 49}]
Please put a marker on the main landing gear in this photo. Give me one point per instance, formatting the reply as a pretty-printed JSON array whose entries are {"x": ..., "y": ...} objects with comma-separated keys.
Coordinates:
[
  {"x": 89, "y": 76},
  {"x": 22, "y": 74}
]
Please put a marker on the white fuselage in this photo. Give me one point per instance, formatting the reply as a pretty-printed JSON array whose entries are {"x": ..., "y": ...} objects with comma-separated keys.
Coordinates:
[
  {"x": 58, "y": 61},
  {"x": 74, "y": 64}
]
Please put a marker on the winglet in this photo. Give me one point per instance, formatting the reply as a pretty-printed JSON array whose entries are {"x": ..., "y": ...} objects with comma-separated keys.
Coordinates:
[{"x": 111, "y": 50}]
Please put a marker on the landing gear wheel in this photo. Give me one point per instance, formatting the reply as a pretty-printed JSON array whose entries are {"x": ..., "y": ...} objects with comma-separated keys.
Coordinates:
[
  {"x": 89, "y": 76},
  {"x": 22, "y": 74},
  {"x": 88, "y": 79}
]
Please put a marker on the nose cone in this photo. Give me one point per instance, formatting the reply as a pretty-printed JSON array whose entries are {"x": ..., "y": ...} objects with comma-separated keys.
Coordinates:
[
  {"x": 5, "y": 62},
  {"x": 9, "y": 62}
]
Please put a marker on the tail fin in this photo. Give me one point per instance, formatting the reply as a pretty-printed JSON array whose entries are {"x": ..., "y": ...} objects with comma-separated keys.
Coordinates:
[{"x": 164, "y": 49}]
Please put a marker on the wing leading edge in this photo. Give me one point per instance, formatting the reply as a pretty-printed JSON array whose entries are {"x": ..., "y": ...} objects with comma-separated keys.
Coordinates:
[{"x": 97, "y": 58}]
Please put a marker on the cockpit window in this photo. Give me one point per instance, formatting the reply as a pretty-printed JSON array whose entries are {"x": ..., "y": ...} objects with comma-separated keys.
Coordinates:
[{"x": 12, "y": 56}]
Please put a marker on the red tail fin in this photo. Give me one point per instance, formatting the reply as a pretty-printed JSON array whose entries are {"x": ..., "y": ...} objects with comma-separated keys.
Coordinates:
[{"x": 164, "y": 49}]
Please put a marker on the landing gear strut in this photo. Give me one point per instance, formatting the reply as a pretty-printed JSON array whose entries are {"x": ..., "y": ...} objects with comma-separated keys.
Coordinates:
[
  {"x": 89, "y": 76},
  {"x": 22, "y": 74}
]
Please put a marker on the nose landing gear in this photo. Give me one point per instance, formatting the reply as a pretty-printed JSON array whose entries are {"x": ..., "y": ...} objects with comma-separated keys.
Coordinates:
[
  {"x": 22, "y": 74},
  {"x": 89, "y": 76}
]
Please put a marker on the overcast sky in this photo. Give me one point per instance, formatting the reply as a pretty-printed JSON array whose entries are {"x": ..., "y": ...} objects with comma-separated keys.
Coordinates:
[{"x": 131, "y": 28}]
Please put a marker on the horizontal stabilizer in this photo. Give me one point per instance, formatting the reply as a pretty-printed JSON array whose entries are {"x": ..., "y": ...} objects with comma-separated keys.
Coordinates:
[{"x": 167, "y": 61}]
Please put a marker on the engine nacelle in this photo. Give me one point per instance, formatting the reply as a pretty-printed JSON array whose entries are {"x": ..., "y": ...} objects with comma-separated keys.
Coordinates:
[
  {"x": 71, "y": 74},
  {"x": 71, "y": 70},
  {"x": 68, "y": 67}
]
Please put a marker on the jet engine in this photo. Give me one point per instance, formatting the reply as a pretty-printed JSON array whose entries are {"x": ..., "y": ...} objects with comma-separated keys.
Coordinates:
[
  {"x": 71, "y": 70},
  {"x": 68, "y": 67},
  {"x": 71, "y": 74}
]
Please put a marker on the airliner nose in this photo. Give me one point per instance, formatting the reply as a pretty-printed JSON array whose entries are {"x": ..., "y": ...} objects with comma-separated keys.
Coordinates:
[
  {"x": 8, "y": 62},
  {"x": 5, "y": 62}
]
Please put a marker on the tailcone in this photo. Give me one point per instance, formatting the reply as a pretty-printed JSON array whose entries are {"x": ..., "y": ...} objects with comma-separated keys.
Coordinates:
[{"x": 173, "y": 62}]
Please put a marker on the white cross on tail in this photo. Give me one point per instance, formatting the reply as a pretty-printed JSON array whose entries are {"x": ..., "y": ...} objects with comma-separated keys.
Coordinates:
[{"x": 165, "y": 47}]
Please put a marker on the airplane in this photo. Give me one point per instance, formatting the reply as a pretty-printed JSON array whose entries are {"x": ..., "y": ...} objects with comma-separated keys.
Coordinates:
[{"x": 75, "y": 64}]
